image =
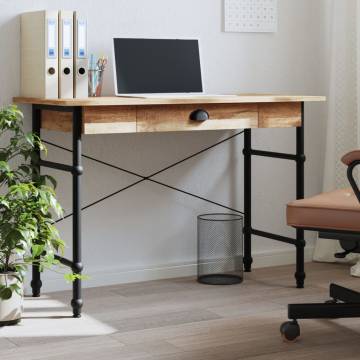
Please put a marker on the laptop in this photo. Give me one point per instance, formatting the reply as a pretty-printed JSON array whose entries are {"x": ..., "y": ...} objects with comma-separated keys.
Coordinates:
[{"x": 157, "y": 67}]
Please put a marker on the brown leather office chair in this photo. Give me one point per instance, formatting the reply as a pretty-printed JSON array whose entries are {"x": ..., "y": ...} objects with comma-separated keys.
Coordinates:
[{"x": 335, "y": 215}]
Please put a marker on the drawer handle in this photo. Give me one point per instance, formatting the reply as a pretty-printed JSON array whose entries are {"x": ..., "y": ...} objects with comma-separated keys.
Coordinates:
[{"x": 199, "y": 115}]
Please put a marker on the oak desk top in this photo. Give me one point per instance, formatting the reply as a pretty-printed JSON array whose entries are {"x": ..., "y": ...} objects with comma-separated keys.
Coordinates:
[
  {"x": 128, "y": 101},
  {"x": 108, "y": 115}
]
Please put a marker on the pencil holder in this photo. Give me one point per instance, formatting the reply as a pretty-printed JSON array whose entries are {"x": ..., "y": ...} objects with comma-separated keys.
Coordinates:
[
  {"x": 220, "y": 249},
  {"x": 95, "y": 82}
]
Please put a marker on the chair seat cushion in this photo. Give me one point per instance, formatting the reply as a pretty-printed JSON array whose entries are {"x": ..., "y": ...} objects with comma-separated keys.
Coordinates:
[{"x": 336, "y": 210}]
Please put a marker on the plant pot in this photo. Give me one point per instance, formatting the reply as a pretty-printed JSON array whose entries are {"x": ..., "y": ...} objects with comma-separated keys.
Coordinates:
[{"x": 11, "y": 309}]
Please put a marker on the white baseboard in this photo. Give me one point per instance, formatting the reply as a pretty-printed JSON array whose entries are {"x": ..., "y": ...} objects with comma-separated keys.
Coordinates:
[
  {"x": 280, "y": 257},
  {"x": 118, "y": 275}
]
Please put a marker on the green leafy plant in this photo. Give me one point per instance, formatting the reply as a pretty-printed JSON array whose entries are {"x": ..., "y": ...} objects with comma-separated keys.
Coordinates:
[{"x": 28, "y": 205}]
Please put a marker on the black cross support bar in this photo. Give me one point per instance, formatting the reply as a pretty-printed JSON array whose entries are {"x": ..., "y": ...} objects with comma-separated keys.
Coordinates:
[
  {"x": 55, "y": 165},
  {"x": 142, "y": 178},
  {"x": 273, "y": 154},
  {"x": 64, "y": 261}
]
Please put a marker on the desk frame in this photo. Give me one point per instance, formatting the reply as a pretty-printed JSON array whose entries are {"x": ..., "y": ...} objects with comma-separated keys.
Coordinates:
[
  {"x": 300, "y": 159},
  {"x": 76, "y": 170}
]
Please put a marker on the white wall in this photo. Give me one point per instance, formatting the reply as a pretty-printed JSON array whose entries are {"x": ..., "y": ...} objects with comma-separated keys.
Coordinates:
[{"x": 148, "y": 231}]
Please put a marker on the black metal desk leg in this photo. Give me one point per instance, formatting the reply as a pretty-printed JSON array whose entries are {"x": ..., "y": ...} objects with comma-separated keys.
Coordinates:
[
  {"x": 77, "y": 302},
  {"x": 36, "y": 126},
  {"x": 300, "y": 179},
  {"x": 247, "y": 200}
]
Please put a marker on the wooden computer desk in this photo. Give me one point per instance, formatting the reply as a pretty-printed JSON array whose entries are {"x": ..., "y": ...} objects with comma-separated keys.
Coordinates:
[{"x": 121, "y": 115}]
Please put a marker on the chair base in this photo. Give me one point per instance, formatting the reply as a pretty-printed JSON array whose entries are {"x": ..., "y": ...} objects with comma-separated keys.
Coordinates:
[{"x": 344, "y": 303}]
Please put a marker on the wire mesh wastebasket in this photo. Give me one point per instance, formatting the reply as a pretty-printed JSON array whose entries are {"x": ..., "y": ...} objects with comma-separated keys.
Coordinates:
[{"x": 220, "y": 249}]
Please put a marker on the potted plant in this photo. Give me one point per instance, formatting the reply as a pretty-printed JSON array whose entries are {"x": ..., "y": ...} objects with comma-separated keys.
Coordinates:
[{"x": 27, "y": 207}]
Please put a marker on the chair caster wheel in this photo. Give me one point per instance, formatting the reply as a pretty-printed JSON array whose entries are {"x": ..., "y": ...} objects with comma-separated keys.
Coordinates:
[{"x": 290, "y": 331}]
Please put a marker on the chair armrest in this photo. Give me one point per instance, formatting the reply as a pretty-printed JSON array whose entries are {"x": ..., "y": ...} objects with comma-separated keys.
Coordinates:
[
  {"x": 352, "y": 160},
  {"x": 350, "y": 157}
]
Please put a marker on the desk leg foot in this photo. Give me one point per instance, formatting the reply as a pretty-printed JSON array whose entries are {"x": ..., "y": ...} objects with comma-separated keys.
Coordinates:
[
  {"x": 247, "y": 263},
  {"x": 76, "y": 303},
  {"x": 300, "y": 277},
  {"x": 36, "y": 282}
]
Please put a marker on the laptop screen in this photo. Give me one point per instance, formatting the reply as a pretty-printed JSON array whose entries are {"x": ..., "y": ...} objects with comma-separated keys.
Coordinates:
[{"x": 147, "y": 66}]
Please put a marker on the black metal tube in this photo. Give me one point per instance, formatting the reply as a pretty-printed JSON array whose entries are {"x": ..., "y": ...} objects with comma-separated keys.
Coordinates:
[
  {"x": 54, "y": 165},
  {"x": 273, "y": 154},
  {"x": 272, "y": 236},
  {"x": 64, "y": 261},
  {"x": 300, "y": 185},
  {"x": 77, "y": 302},
  {"x": 300, "y": 157},
  {"x": 247, "y": 200},
  {"x": 36, "y": 282}
]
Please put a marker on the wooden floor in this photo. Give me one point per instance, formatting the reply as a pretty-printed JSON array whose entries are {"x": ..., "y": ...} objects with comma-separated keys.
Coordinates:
[{"x": 182, "y": 320}]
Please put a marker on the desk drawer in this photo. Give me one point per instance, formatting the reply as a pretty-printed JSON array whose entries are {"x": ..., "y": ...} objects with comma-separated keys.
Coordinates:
[
  {"x": 109, "y": 119},
  {"x": 177, "y": 117},
  {"x": 280, "y": 115},
  {"x": 96, "y": 120}
]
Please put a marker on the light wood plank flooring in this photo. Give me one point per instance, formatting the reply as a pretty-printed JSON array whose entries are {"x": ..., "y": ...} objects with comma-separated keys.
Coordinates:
[{"x": 183, "y": 320}]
